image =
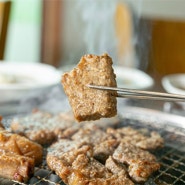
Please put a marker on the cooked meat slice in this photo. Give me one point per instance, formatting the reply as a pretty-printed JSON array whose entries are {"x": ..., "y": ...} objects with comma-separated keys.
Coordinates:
[
  {"x": 140, "y": 170},
  {"x": 20, "y": 145},
  {"x": 118, "y": 169},
  {"x": 42, "y": 127},
  {"x": 91, "y": 134},
  {"x": 33, "y": 127},
  {"x": 61, "y": 161},
  {"x": 141, "y": 163},
  {"x": 119, "y": 133},
  {"x": 64, "y": 145},
  {"x": 137, "y": 138},
  {"x": 104, "y": 149},
  {"x": 115, "y": 133},
  {"x": 115, "y": 167},
  {"x": 64, "y": 152},
  {"x": 68, "y": 132},
  {"x": 22, "y": 123},
  {"x": 15, "y": 167},
  {"x": 89, "y": 171},
  {"x": 127, "y": 134},
  {"x": 87, "y": 103},
  {"x": 90, "y": 168},
  {"x": 153, "y": 142}
]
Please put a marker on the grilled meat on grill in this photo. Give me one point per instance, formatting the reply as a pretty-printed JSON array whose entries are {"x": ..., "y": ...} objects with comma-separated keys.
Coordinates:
[
  {"x": 75, "y": 165},
  {"x": 92, "y": 134},
  {"x": 115, "y": 167},
  {"x": 20, "y": 145},
  {"x": 141, "y": 163},
  {"x": 18, "y": 156},
  {"x": 137, "y": 138},
  {"x": 45, "y": 128},
  {"x": 120, "y": 154},
  {"x": 104, "y": 149},
  {"x": 42, "y": 127},
  {"x": 16, "y": 167}
]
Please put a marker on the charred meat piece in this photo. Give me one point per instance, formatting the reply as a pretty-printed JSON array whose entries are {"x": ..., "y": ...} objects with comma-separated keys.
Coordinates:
[
  {"x": 43, "y": 127},
  {"x": 153, "y": 142},
  {"x": 89, "y": 168},
  {"x": 104, "y": 149},
  {"x": 141, "y": 163},
  {"x": 90, "y": 104},
  {"x": 91, "y": 134},
  {"x": 60, "y": 159},
  {"x": 118, "y": 169},
  {"x": 137, "y": 138},
  {"x": 89, "y": 171},
  {"x": 16, "y": 167},
  {"x": 20, "y": 145},
  {"x": 33, "y": 127},
  {"x": 64, "y": 145},
  {"x": 67, "y": 133},
  {"x": 115, "y": 167}
]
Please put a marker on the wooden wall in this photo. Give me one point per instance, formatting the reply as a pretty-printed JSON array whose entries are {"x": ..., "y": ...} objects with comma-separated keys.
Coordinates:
[
  {"x": 167, "y": 47},
  {"x": 51, "y": 32},
  {"x": 4, "y": 20}
]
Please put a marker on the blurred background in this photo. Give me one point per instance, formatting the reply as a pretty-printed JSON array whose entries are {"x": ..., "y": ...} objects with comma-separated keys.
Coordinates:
[
  {"x": 41, "y": 39},
  {"x": 148, "y": 35}
]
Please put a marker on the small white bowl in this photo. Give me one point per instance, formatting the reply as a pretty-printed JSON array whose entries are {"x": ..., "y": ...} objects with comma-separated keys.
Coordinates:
[
  {"x": 21, "y": 80},
  {"x": 132, "y": 78},
  {"x": 174, "y": 83}
]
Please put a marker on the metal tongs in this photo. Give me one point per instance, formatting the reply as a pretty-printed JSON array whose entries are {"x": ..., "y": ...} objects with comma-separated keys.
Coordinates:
[{"x": 138, "y": 94}]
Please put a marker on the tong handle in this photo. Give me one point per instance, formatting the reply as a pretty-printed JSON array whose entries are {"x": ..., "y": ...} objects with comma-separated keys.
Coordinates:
[{"x": 138, "y": 94}]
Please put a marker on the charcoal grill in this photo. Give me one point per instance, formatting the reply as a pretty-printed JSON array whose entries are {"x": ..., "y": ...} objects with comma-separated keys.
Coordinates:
[{"x": 171, "y": 157}]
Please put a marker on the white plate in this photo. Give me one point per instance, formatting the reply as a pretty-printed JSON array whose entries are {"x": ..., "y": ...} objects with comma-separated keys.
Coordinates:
[
  {"x": 21, "y": 80},
  {"x": 126, "y": 77},
  {"x": 174, "y": 83},
  {"x": 132, "y": 78}
]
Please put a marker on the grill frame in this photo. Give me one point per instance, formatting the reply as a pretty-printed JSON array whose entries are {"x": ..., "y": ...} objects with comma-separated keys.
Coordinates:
[{"x": 171, "y": 157}]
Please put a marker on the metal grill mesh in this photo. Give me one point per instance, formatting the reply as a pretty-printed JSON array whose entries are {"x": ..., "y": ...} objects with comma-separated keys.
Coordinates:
[
  {"x": 171, "y": 157},
  {"x": 172, "y": 167}
]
